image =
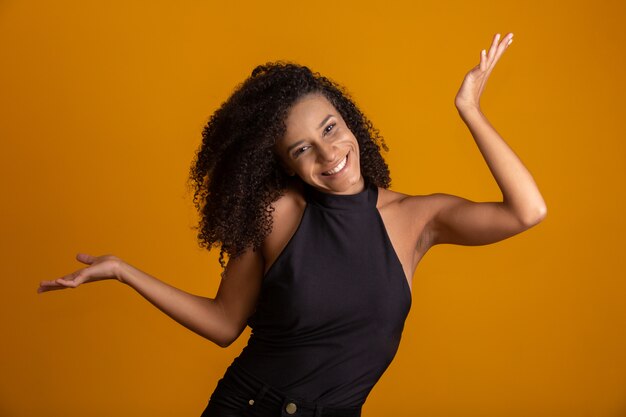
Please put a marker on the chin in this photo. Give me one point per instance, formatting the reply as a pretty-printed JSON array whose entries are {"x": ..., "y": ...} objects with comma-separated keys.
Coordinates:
[{"x": 345, "y": 187}]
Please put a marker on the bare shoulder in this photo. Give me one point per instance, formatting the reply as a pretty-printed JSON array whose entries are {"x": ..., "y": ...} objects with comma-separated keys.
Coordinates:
[
  {"x": 421, "y": 208},
  {"x": 291, "y": 199},
  {"x": 410, "y": 215},
  {"x": 286, "y": 214},
  {"x": 411, "y": 207}
]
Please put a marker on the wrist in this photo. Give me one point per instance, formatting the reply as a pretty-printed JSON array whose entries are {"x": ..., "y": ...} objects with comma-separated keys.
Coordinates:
[
  {"x": 468, "y": 108},
  {"x": 470, "y": 114},
  {"x": 121, "y": 271}
]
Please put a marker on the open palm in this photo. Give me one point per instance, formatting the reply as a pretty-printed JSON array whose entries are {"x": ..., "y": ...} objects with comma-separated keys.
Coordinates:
[
  {"x": 476, "y": 79},
  {"x": 100, "y": 268}
]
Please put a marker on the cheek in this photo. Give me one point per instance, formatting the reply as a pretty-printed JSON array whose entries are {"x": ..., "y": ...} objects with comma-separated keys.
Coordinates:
[
  {"x": 304, "y": 164},
  {"x": 296, "y": 165},
  {"x": 356, "y": 144}
]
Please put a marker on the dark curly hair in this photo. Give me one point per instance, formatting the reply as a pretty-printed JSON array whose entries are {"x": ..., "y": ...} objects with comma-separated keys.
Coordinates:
[{"x": 237, "y": 175}]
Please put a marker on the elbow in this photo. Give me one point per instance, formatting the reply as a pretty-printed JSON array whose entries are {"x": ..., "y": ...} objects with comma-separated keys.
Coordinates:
[
  {"x": 224, "y": 329},
  {"x": 227, "y": 338},
  {"x": 535, "y": 217},
  {"x": 224, "y": 343}
]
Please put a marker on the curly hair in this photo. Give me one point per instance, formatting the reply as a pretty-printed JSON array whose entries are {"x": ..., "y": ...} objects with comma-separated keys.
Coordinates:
[{"x": 237, "y": 175}]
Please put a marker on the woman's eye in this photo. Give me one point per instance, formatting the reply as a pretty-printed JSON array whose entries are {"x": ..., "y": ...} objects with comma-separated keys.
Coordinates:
[
  {"x": 329, "y": 128},
  {"x": 300, "y": 150}
]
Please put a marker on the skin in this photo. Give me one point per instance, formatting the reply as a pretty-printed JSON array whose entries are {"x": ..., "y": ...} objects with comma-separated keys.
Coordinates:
[
  {"x": 312, "y": 145},
  {"x": 317, "y": 140}
]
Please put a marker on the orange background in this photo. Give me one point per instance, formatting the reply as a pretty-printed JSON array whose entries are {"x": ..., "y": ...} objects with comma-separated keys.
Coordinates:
[{"x": 101, "y": 109}]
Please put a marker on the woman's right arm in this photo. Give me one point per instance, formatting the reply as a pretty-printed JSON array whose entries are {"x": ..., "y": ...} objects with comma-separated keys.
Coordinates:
[{"x": 220, "y": 319}]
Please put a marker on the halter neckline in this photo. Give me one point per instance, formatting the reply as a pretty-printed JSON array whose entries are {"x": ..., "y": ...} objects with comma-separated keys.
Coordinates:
[{"x": 362, "y": 200}]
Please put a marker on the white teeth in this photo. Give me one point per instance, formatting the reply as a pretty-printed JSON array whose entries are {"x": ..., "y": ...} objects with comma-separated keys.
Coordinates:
[{"x": 338, "y": 167}]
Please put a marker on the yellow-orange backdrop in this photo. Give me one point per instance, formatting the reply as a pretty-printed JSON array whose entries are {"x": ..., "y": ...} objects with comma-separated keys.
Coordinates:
[{"x": 102, "y": 105}]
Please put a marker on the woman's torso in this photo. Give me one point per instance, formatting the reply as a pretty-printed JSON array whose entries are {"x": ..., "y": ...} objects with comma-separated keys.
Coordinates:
[
  {"x": 335, "y": 292},
  {"x": 403, "y": 221}
]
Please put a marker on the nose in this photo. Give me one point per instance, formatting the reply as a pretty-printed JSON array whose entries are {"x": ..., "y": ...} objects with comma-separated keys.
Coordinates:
[{"x": 327, "y": 152}]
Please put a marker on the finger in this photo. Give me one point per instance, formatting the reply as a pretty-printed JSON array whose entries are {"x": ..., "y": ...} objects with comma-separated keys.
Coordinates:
[
  {"x": 85, "y": 258},
  {"x": 493, "y": 48},
  {"x": 74, "y": 281},
  {"x": 483, "y": 60},
  {"x": 69, "y": 279},
  {"x": 506, "y": 41},
  {"x": 49, "y": 286}
]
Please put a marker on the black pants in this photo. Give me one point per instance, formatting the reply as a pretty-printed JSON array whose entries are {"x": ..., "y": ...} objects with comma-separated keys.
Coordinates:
[{"x": 240, "y": 394}]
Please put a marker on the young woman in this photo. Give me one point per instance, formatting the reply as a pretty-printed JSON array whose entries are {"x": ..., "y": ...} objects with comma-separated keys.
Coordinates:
[{"x": 290, "y": 183}]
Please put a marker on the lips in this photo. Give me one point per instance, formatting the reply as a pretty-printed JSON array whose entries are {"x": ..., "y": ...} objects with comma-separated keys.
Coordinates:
[{"x": 338, "y": 168}]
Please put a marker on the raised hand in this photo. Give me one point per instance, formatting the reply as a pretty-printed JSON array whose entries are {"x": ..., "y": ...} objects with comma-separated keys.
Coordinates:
[
  {"x": 100, "y": 268},
  {"x": 476, "y": 79}
]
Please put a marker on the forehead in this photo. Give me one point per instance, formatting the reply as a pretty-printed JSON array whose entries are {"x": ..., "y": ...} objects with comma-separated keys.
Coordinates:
[{"x": 307, "y": 113}]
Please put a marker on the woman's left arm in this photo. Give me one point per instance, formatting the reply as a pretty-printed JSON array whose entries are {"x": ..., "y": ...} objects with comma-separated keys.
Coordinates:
[{"x": 456, "y": 220}]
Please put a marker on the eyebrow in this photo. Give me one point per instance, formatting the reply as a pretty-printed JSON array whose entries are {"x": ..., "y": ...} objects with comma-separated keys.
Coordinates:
[{"x": 319, "y": 127}]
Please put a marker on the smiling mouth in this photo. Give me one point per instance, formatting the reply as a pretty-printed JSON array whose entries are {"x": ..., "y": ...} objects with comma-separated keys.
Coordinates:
[{"x": 338, "y": 168}]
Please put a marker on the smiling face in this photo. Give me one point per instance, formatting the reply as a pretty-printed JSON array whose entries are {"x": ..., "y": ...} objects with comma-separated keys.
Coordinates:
[{"x": 319, "y": 147}]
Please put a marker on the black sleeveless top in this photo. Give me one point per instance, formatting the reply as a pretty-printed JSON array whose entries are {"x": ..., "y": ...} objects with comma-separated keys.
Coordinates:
[{"x": 332, "y": 306}]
